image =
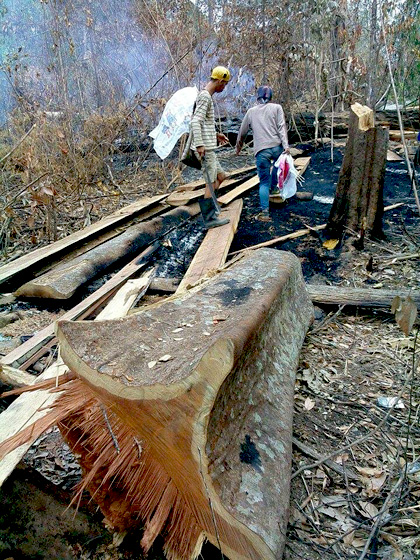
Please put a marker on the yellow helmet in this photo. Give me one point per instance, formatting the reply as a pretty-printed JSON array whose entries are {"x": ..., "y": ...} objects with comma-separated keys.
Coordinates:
[{"x": 220, "y": 73}]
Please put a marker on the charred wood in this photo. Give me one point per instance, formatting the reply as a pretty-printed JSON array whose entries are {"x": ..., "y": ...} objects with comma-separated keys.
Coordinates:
[{"x": 64, "y": 280}]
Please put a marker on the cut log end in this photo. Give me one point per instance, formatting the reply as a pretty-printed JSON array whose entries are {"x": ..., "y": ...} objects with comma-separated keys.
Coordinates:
[{"x": 365, "y": 116}]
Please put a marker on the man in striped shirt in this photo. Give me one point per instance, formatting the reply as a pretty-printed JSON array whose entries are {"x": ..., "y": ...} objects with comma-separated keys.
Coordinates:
[{"x": 205, "y": 140}]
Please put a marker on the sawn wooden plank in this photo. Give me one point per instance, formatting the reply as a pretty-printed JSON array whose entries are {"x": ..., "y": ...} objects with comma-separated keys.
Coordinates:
[
  {"x": 200, "y": 182},
  {"x": 214, "y": 249},
  {"x": 239, "y": 190}
]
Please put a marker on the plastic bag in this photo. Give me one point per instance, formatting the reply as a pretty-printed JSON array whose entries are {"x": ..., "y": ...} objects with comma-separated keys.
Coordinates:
[
  {"x": 287, "y": 175},
  {"x": 175, "y": 121}
]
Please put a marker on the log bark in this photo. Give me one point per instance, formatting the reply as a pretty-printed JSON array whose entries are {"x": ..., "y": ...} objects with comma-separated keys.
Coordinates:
[
  {"x": 358, "y": 202},
  {"x": 63, "y": 281},
  {"x": 182, "y": 414},
  {"x": 357, "y": 297}
]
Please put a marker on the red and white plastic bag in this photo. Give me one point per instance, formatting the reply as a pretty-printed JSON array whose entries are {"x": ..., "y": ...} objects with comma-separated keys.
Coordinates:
[{"x": 287, "y": 176}]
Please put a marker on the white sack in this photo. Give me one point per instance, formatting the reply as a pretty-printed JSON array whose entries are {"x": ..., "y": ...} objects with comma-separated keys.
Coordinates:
[{"x": 175, "y": 121}]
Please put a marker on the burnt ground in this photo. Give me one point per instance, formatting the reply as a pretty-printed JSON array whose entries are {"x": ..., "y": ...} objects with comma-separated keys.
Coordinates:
[{"x": 350, "y": 360}]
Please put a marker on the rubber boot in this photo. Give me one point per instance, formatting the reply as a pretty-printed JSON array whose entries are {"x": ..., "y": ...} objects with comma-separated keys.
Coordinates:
[{"x": 208, "y": 212}]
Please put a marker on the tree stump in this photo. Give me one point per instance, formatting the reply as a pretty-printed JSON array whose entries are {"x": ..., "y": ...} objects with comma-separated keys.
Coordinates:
[
  {"x": 358, "y": 203},
  {"x": 181, "y": 415}
]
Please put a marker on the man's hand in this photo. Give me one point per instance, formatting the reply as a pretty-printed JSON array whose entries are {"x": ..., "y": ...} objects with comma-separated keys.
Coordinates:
[
  {"x": 238, "y": 150},
  {"x": 222, "y": 139},
  {"x": 287, "y": 151},
  {"x": 201, "y": 150}
]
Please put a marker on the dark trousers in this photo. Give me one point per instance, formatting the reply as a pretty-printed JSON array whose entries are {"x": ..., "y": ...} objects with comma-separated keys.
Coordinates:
[{"x": 267, "y": 173}]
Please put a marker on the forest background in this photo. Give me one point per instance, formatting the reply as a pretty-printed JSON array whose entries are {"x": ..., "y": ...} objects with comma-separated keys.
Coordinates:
[{"x": 81, "y": 78}]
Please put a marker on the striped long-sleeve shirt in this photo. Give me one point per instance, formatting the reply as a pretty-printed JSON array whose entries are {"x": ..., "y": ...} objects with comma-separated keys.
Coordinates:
[{"x": 203, "y": 124}]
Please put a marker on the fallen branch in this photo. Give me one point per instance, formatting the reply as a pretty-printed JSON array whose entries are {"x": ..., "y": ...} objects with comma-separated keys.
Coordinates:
[
  {"x": 358, "y": 297},
  {"x": 293, "y": 235},
  {"x": 299, "y": 233},
  {"x": 17, "y": 145},
  {"x": 330, "y": 464}
]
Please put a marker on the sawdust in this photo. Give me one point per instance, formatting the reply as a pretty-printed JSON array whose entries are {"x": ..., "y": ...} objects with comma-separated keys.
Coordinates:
[{"x": 32, "y": 321}]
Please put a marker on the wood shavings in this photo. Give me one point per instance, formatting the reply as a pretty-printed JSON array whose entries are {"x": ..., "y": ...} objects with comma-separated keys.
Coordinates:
[{"x": 165, "y": 358}]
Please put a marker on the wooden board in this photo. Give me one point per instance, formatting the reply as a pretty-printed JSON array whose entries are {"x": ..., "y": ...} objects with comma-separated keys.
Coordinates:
[
  {"x": 200, "y": 182},
  {"x": 392, "y": 156},
  {"x": 239, "y": 190},
  {"x": 8, "y": 271},
  {"x": 22, "y": 413},
  {"x": 213, "y": 251},
  {"x": 301, "y": 164},
  {"x": 29, "y": 407},
  {"x": 186, "y": 197}
]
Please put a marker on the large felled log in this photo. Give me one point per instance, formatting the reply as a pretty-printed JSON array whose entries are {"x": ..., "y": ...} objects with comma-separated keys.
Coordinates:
[
  {"x": 64, "y": 280},
  {"x": 358, "y": 202},
  {"x": 182, "y": 414}
]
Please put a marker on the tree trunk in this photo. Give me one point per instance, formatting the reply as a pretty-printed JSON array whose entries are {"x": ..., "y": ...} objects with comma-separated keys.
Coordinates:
[
  {"x": 358, "y": 297},
  {"x": 358, "y": 204}
]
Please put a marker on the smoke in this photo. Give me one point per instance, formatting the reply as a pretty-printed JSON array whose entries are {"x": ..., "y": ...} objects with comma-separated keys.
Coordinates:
[
  {"x": 87, "y": 53},
  {"x": 92, "y": 54}
]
